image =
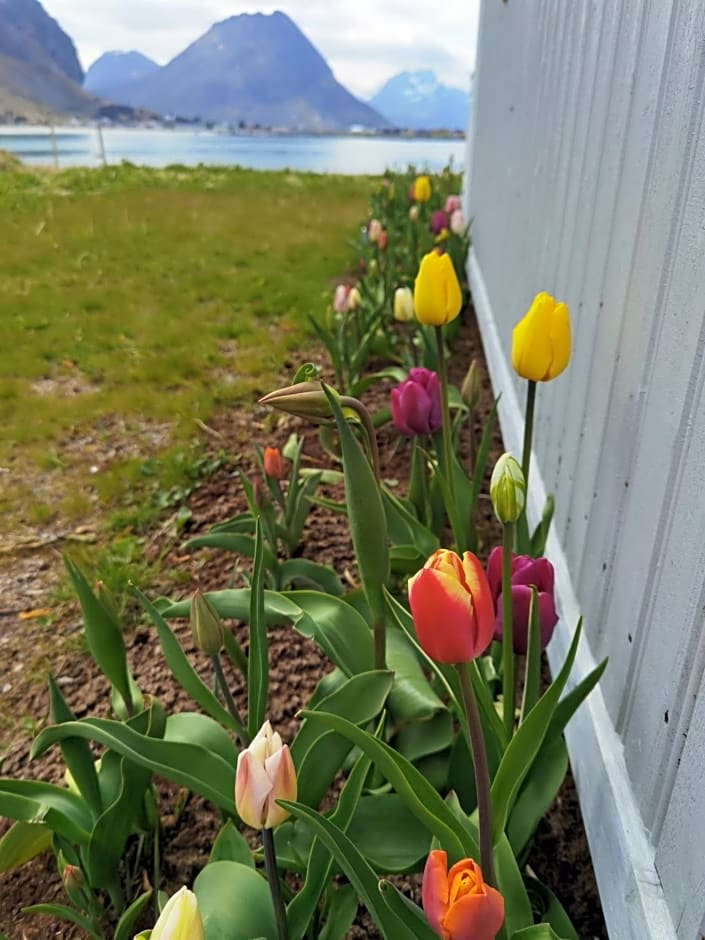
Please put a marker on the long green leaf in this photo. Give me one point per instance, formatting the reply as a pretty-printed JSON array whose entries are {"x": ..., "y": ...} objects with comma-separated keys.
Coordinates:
[
  {"x": 568, "y": 705},
  {"x": 312, "y": 573},
  {"x": 124, "y": 929},
  {"x": 341, "y": 911},
  {"x": 420, "y": 796},
  {"x": 181, "y": 668},
  {"x": 65, "y": 913},
  {"x": 537, "y": 792},
  {"x": 357, "y": 869},
  {"x": 232, "y": 542},
  {"x": 21, "y": 842},
  {"x": 412, "y": 697},
  {"x": 187, "y": 764},
  {"x": 34, "y": 801},
  {"x": 258, "y": 664},
  {"x": 525, "y": 745},
  {"x": 76, "y": 754},
  {"x": 411, "y": 916},
  {"x": 552, "y": 911},
  {"x": 532, "y": 674}
]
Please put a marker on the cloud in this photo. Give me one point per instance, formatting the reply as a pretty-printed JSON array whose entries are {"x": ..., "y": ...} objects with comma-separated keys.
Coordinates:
[{"x": 364, "y": 41}]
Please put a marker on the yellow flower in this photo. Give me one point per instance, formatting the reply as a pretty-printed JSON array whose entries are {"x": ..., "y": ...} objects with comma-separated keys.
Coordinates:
[
  {"x": 180, "y": 918},
  {"x": 437, "y": 294},
  {"x": 422, "y": 189},
  {"x": 403, "y": 304},
  {"x": 541, "y": 340}
]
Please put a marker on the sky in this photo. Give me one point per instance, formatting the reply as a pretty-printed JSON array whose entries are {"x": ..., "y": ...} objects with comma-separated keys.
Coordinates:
[{"x": 365, "y": 42}]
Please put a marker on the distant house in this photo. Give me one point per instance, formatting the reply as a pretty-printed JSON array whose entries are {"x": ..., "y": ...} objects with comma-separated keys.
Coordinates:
[{"x": 586, "y": 178}]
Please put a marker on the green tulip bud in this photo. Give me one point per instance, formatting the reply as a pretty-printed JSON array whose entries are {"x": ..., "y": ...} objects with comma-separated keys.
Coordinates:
[
  {"x": 305, "y": 400},
  {"x": 507, "y": 489},
  {"x": 206, "y": 626},
  {"x": 470, "y": 389}
]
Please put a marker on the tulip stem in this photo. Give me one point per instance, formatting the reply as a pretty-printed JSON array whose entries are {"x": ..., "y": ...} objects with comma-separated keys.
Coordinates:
[
  {"x": 229, "y": 700},
  {"x": 508, "y": 693},
  {"x": 447, "y": 436},
  {"x": 482, "y": 773},
  {"x": 522, "y": 530},
  {"x": 346, "y": 401},
  {"x": 270, "y": 864}
]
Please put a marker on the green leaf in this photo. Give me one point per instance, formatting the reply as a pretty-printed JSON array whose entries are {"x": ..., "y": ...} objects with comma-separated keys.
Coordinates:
[
  {"x": 532, "y": 674},
  {"x": 21, "y": 842},
  {"x": 65, "y": 913},
  {"x": 517, "y": 907},
  {"x": 232, "y": 542},
  {"x": 103, "y": 636},
  {"x": 234, "y": 902},
  {"x": 410, "y": 914},
  {"x": 421, "y": 738},
  {"x": 537, "y": 932},
  {"x": 537, "y": 792},
  {"x": 356, "y": 868},
  {"x": 258, "y": 663},
  {"x": 406, "y": 839},
  {"x": 313, "y": 574},
  {"x": 33, "y": 801},
  {"x": 187, "y": 764},
  {"x": 317, "y": 756},
  {"x": 412, "y": 697},
  {"x": 420, "y": 796},
  {"x": 181, "y": 668},
  {"x": 368, "y": 527},
  {"x": 125, "y": 925},
  {"x": 552, "y": 911},
  {"x": 540, "y": 535},
  {"x": 231, "y": 846},
  {"x": 568, "y": 705},
  {"x": 194, "y": 728},
  {"x": 524, "y": 746},
  {"x": 341, "y": 912},
  {"x": 405, "y": 528},
  {"x": 76, "y": 754}
]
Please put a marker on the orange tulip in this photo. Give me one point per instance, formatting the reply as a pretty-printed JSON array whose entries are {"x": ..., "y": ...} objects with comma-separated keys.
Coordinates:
[
  {"x": 452, "y": 607},
  {"x": 458, "y": 903},
  {"x": 273, "y": 463}
]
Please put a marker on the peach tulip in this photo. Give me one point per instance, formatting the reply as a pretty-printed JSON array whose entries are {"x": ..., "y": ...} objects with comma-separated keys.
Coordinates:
[
  {"x": 458, "y": 903},
  {"x": 265, "y": 773}
]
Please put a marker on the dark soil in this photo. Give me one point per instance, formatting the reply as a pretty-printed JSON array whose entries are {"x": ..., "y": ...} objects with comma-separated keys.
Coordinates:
[{"x": 560, "y": 854}]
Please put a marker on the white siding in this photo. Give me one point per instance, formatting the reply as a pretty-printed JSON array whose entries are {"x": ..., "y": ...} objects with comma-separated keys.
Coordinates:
[{"x": 586, "y": 178}]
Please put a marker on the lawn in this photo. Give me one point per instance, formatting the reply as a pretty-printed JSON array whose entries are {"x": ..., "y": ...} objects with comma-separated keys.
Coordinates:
[{"x": 134, "y": 302}]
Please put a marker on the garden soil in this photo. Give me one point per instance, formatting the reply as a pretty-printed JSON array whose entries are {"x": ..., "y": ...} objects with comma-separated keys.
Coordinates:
[{"x": 559, "y": 856}]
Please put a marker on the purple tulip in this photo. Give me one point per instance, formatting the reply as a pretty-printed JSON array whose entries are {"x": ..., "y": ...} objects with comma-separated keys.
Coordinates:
[
  {"x": 416, "y": 403},
  {"x": 526, "y": 573},
  {"x": 439, "y": 221}
]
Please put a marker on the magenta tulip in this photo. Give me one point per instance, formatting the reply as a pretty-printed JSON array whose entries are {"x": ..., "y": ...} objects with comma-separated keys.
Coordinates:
[
  {"x": 439, "y": 222},
  {"x": 416, "y": 403},
  {"x": 526, "y": 573}
]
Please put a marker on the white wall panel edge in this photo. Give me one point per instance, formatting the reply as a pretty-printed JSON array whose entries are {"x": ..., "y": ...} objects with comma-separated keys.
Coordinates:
[{"x": 632, "y": 897}]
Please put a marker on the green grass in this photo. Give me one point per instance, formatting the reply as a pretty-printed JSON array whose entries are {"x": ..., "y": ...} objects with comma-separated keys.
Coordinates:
[{"x": 134, "y": 302}]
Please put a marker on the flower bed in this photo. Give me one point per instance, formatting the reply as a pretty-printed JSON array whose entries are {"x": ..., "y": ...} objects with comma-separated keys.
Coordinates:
[{"x": 289, "y": 688}]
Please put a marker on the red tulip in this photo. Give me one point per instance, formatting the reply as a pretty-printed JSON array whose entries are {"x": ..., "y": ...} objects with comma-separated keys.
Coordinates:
[
  {"x": 458, "y": 903},
  {"x": 273, "y": 463},
  {"x": 452, "y": 607},
  {"x": 526, "y": 573}
]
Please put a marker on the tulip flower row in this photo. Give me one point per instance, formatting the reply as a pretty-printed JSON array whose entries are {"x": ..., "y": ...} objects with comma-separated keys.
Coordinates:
[{"x": 413, "y": 755}]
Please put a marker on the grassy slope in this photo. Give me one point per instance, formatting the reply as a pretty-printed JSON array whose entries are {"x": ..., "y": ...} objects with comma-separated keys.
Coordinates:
[{"x": 155, "y": 296}]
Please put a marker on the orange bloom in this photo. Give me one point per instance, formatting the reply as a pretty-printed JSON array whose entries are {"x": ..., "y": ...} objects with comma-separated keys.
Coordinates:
[
  {"x": 458, "y": 903},
  {"x": 273, "y": 463},
  {"x": 452, "y": 607}
]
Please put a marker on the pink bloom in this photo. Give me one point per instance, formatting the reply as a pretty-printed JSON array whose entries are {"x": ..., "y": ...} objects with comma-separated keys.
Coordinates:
[
  {"x": 374, "y": 230},
  {"x": 340, "y": 298},
  {"x": 265, "y": 773},
  {"x": 458, "y": 225},
  {"x": 452, "y": 203},
  {"x": 526, "y": 573},
  {"x": 416, "y": 403}
]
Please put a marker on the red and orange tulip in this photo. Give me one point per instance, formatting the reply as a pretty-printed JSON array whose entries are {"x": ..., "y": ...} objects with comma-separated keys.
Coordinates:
[
  {"x": 458, "y": 903},
  {"x": 452, "y": 607},
  {"x": 273, "y": 463}
]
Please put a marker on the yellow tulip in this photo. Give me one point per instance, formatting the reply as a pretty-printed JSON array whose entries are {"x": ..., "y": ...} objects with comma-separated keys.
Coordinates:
[
  {"x": 422, "y": 189},
  {"x": 437, "y": 294},
  {"x": 180, "y": 919},
  {"x": 541, "y": 340}
]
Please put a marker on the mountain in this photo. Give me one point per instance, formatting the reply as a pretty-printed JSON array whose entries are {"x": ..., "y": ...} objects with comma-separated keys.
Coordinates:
[
  {"x": 39, "y": 67},
  {"x": 257, "y": 69},
  {"x": 111, "y": 74},
  {"x": 417, "y": 100}
]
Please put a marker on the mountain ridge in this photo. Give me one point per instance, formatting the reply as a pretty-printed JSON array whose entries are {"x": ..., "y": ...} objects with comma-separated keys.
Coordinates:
[{"x": 417, "y": 100}]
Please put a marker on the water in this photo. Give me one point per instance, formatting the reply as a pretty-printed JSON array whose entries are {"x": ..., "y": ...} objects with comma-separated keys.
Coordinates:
[{"x": 159, "y": 147}]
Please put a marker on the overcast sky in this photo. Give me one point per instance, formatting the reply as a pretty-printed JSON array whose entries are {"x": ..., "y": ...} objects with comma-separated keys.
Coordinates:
[{"x": 364, "y": 41}]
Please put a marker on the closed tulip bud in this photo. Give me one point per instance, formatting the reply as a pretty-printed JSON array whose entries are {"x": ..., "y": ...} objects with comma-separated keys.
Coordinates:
[
  {"x": 305, "y": 400},
  {"x": 526, "y": 573},
  {"x": 180, "y": 918},
  {"x": 373, "y": 267},
  {"x": 206, "y": 625},
  {"x": 265, "y": 773},
  {"x": 507, "y": 489},
  {"x": 73, "y": 878},
  {"x": 452, "y": 203},
  {"x": 541, "y": 340},
  {"x": 422, "y": 189},
  {"x": 107, "y": 599},
  {"x": 414, "y": 213},
  {"x": 382, "y": 240},
  {"x": 403, "y": 305},
  {"x": 374, "y": 230},
  {"x": 471, "y": 389},
  {"x": 452, "y": 608},
  {"x": 354, "y": 299},
  {"x": 458, "y": 225},
  {"x": 437, "y": 294},
  {"x": 340, "y": 298},
  {"x": 416, "y": 403},
  {"x": 458, "y": 903},
  {"x": 273, "y": 463}
]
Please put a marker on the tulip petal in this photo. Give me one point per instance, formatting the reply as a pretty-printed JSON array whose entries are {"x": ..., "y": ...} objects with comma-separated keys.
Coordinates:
[
  {"x": 252, "y": 788},
  {"x": 494, "y": 571},
  {"x": 281, "y": 772},
  {"x": 434, "y": 890},
  {"x": 477, "y": 584},
  {"x": 444, "y": 616},
  {"x": 560, "y": 340},
  {"x": 475, "y": 916}
]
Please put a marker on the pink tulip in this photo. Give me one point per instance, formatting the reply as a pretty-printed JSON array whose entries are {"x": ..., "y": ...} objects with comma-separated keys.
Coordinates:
[
  {"x": 526, "y": 573},
  {"x": 458, "y": 225},
  {"x": 265, "y": 773},
  {"x": 340, "y": 298},
  {"x": 453, "y": 203},
  {"x": 374, "y": 230},
  {"x": 416, "y": 403}
]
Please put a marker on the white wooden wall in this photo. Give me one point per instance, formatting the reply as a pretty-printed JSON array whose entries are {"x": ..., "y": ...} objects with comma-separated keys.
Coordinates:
[{"x": 586, "y": 178}]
